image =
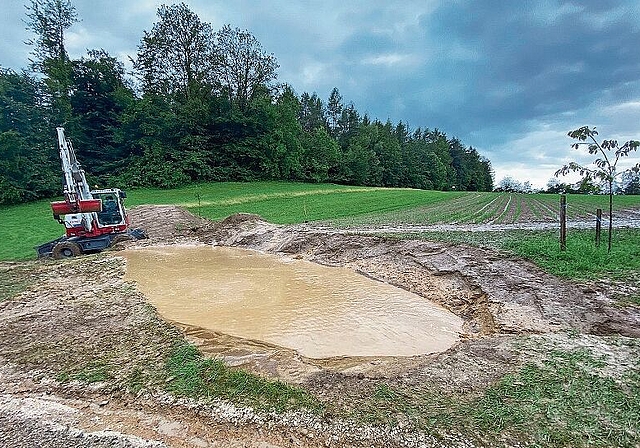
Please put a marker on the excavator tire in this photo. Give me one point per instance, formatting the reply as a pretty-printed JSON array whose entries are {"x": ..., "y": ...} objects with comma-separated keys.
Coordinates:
[{"x": 65, "y": 249}]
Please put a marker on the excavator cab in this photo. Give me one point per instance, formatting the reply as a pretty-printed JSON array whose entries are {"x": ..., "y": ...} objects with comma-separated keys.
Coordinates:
[{"x": 112, "y": 212}]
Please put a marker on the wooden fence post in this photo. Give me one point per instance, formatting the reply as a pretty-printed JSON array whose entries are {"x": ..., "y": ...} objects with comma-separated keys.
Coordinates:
[
  {"x": 598, "y": 226},
  {"x": 563, "y": 222}
]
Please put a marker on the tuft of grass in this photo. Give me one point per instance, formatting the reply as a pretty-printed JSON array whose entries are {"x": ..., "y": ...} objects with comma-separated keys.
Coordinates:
[
  {"x": 14, "y": 279},
  {"x": 93, "y": 372},
  {"x": 193, "y": 375},
  {"x": 561, "y": 402},
  {"x": 136, "y": 380},
  {"x": 582, "y": 259},
  {"x": 421, "y": 409},
  {"x": 633, "y": 299}
]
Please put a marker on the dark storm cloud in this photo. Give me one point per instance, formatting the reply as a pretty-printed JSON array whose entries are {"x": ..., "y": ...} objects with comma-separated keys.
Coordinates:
[
  {"x": 366, "y": 42},
  {"x": 534, "y": 62}
]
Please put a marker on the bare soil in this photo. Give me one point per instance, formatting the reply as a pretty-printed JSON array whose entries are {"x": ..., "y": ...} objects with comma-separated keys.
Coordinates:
[{"x": 76, "y": 319}]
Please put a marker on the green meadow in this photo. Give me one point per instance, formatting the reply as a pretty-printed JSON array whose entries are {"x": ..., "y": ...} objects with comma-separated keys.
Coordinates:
[{"x": 28, "y": 225}]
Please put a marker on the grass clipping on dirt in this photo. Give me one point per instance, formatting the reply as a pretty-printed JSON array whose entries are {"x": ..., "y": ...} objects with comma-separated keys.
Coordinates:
[
  {"x": 566, "y": 395},
  {"x": 563, "y": 402}
]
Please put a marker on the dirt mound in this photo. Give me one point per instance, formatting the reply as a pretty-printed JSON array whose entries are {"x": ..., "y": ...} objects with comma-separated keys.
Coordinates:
[
  {"x": 166, "y": 223},
  {"x": 240, "y": 218}
]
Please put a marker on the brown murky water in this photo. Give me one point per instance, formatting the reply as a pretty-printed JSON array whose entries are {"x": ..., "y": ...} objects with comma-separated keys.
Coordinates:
[{"x": 316, "y": 310}]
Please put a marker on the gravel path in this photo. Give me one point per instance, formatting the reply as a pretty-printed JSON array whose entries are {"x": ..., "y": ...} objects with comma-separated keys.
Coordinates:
[{"x": 629, "y": 223}]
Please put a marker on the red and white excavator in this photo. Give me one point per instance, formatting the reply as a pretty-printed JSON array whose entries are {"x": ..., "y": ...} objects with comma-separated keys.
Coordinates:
[{"x": 93, "y": 219}]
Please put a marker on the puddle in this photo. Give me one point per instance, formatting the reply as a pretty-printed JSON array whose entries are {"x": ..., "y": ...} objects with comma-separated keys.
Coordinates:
[{"x": 318, "y": 311}]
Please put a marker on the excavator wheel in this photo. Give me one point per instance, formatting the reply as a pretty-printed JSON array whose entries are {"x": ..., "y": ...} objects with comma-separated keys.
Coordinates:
[{"x": 65, "y": 249}]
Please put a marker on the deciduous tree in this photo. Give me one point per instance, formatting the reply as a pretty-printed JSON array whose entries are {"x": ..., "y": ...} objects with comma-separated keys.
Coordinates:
[
  {"x": 604, "y": 167},
  {"x": 631, "y": 183},
  {"x": 177, "y": 55},
  {"x": 241, "y": 66}
]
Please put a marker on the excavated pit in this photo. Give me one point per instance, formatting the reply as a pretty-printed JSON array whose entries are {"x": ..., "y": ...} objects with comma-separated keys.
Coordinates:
[
  {"x": 318, "y": 311},
  {"x": 493, "y": 293},
  {"x": 80, "y": 317}
]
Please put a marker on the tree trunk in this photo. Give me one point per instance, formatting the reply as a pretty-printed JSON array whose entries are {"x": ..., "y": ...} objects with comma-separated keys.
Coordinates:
[{"x": 610, "y": 215}]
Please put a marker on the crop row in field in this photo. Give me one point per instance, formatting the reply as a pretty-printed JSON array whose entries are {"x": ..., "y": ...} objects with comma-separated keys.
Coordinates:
[
  {"x": 27, "y": 225},
  {"x": 499, "y": 208}
]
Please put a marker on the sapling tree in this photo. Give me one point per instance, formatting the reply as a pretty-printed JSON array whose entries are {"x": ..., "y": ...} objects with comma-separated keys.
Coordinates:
[{"x": 604, "y": 168}]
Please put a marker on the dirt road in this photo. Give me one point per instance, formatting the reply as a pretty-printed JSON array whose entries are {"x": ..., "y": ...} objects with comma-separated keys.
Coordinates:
[{"x": 83, "y": 354}]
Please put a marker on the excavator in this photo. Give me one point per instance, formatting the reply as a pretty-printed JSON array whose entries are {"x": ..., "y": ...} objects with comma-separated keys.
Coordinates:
[{"x": 93, "y": 219}]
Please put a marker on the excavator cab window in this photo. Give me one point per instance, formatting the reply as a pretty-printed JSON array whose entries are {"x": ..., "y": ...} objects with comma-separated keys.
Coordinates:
[{"x": 110, "y": 213}]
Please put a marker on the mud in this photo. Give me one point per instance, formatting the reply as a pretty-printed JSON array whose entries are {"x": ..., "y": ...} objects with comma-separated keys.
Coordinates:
[
  {"x": 80, "y": 314},
  {"x": 493, "y": 292},
  {"x": 316, "y": 310}
]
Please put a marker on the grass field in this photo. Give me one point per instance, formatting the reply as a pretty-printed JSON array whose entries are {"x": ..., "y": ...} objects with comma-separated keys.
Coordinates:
[
  {"x": 288, "y": 203},
  {"x": 27, "y": 225}
]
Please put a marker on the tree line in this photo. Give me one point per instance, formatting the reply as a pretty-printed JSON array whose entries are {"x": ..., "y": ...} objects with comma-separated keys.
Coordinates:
[{"x": 202, "y": 105}]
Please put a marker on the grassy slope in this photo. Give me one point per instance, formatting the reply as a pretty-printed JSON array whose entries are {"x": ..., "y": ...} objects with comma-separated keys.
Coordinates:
[
  {"x": 27, "y": 225},
  {"x": 24, "y": 227},
  {"x": 287, "y": 203}
]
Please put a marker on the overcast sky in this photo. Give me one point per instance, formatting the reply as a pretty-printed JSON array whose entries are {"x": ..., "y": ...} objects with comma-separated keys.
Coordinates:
[{"x": 508, "y": 77}]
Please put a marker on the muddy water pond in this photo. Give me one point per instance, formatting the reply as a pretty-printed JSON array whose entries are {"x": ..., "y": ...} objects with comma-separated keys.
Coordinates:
[{"x": 318, "y": 311}]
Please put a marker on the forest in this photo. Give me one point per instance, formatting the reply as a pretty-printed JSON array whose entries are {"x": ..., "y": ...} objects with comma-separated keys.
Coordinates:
[{"x": 200, "y": 105}]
